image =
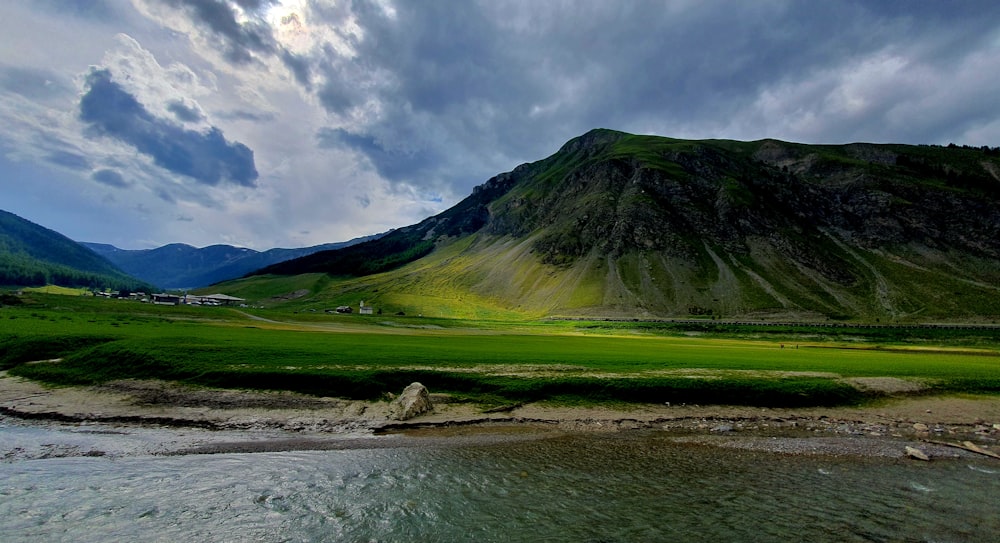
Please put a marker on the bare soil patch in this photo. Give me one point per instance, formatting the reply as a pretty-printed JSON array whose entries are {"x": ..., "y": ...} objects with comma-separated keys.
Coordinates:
[{"x": 885, "y": 385}]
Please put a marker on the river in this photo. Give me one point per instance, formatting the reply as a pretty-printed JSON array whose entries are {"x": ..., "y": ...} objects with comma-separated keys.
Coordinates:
[{"x": 589, "y": 487}]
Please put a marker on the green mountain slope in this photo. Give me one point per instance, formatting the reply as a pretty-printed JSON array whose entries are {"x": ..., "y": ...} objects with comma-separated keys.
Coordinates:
[
  {"x": 31, "y": 255},
  {"x": 620, "y": 225}
]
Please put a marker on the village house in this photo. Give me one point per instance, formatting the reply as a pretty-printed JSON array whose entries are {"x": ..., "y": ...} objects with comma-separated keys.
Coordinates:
[
  {"x": 215, "y": 299},
  {"x": 166, "y": 299}
]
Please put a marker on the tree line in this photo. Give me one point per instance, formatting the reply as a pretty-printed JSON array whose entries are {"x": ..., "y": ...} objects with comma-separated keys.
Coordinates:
[{"x": 23, "y": 271}]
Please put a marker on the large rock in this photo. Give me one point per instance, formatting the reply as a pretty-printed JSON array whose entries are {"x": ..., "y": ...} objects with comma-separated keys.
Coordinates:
[{"x": 414, "y": 401}]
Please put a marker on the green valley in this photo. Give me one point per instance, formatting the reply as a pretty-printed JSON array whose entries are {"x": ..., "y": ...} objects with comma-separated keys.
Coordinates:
[
  {"x": 622, "y": 268},
  {"x": 80, "y": 341}
]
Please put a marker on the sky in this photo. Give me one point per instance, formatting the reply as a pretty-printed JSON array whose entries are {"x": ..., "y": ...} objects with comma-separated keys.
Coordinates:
[{"x": 290, "y": 123}]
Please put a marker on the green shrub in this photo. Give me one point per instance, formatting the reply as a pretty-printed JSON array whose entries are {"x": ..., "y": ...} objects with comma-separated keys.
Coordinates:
[
  {"x": 100, "y": 363},
  {"x": 15, "y": 350}
]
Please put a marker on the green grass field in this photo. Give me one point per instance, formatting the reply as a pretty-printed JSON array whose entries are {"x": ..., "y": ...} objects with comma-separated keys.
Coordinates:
[
  {"x": 55, "y": 289},
  {"x": 493, "y": 362}
]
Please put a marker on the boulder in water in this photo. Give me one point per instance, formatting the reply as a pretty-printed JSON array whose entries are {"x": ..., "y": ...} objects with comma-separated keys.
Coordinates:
[{"x": 414, "y": 401}]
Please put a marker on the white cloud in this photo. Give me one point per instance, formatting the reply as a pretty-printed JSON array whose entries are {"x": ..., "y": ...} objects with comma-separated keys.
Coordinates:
[
  {"x": 886, "y": 96},
  {"x": 137, "y": 70}
]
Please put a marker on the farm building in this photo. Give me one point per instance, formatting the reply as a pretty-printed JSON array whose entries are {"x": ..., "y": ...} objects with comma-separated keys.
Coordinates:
[
  {"x": 216, "y": 299},
  {"x": 166, "y": 299}
]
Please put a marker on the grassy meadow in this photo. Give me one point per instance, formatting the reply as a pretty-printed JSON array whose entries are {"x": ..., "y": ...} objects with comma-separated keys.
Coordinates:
[{"x": 494, "y": 362}]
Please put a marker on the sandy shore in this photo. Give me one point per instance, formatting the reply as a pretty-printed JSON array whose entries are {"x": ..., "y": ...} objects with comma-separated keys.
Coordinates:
[{"x": 237, "y": 421}]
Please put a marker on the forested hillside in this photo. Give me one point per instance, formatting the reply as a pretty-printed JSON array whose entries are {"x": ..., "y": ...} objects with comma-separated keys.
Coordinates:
[{"x": 31, "y": 255}]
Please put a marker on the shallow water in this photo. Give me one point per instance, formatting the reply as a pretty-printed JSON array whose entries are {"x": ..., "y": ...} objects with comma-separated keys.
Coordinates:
[{"x": 623, "y": 487}]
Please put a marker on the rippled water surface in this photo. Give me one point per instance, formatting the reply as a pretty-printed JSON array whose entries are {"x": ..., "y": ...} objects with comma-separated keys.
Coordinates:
[{"x": 578, "y": 488}]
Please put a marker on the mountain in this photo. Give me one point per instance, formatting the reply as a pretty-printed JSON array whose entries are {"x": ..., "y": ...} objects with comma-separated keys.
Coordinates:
[
  {"x": 32, "y": 255},
  {"x": 620, "y": 225},
  {"x": 178, "y": 266}
]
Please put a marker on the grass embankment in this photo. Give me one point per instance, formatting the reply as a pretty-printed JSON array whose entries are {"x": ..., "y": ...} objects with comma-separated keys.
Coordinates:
[{"x": 499, "y": 363}]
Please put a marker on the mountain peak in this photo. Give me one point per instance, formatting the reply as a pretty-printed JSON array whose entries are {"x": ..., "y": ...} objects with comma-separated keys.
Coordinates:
[{"x": 595, "y": 139}]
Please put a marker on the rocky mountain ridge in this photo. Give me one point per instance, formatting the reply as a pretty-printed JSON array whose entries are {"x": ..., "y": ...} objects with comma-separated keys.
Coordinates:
[{"x": 615, "y": 224}]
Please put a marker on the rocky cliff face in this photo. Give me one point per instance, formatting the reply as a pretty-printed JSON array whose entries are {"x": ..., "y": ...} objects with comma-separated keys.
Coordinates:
[
  {"x": 685, "y": 194},
  {"x": 843, "y": 230}
]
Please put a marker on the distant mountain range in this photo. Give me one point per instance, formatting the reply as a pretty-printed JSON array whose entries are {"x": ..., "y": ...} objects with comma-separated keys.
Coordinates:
[
  {"x": 620, "y": 225},
  {"x": 180, "y": 266},
  {"x": 32, "y": 255}
]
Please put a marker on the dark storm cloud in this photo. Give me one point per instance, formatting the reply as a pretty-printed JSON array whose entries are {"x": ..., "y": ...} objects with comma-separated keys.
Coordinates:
[
  {"x": 394, "y": 164},
  {"x": 241, "y": 41},
  {"x": 208, "y": 158},
  {"x": 443, "y": 94},
  {"x": 441, "y": 54},
  {"x": 184, "y": 112},
  {"x": 509, "y": 82},
  {"x": 600, "y": 62},
  {"x": 299, "y": 66},
  {"x": 338, "y": 94},
  {"x": 110, "y": 178}
]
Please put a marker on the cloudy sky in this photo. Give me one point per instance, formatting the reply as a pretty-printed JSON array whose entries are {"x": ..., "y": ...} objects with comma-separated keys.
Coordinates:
[{"x": 287, "y": 123}]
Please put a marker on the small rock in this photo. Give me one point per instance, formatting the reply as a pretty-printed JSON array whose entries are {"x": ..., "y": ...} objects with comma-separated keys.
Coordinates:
[
  {"x": 920, "y": 427},
  {"x": 913, "y": 452},
  {"x": 723, "y": 428},
  {"x": 415, "y": 400}
]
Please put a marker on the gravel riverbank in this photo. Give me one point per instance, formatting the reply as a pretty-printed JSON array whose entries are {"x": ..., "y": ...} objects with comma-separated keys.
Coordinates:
[{"x": 150, "y": 417}]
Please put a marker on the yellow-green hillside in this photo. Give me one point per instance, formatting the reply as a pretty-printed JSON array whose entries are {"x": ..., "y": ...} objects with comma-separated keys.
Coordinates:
[{"x": 616, "y": 225}]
